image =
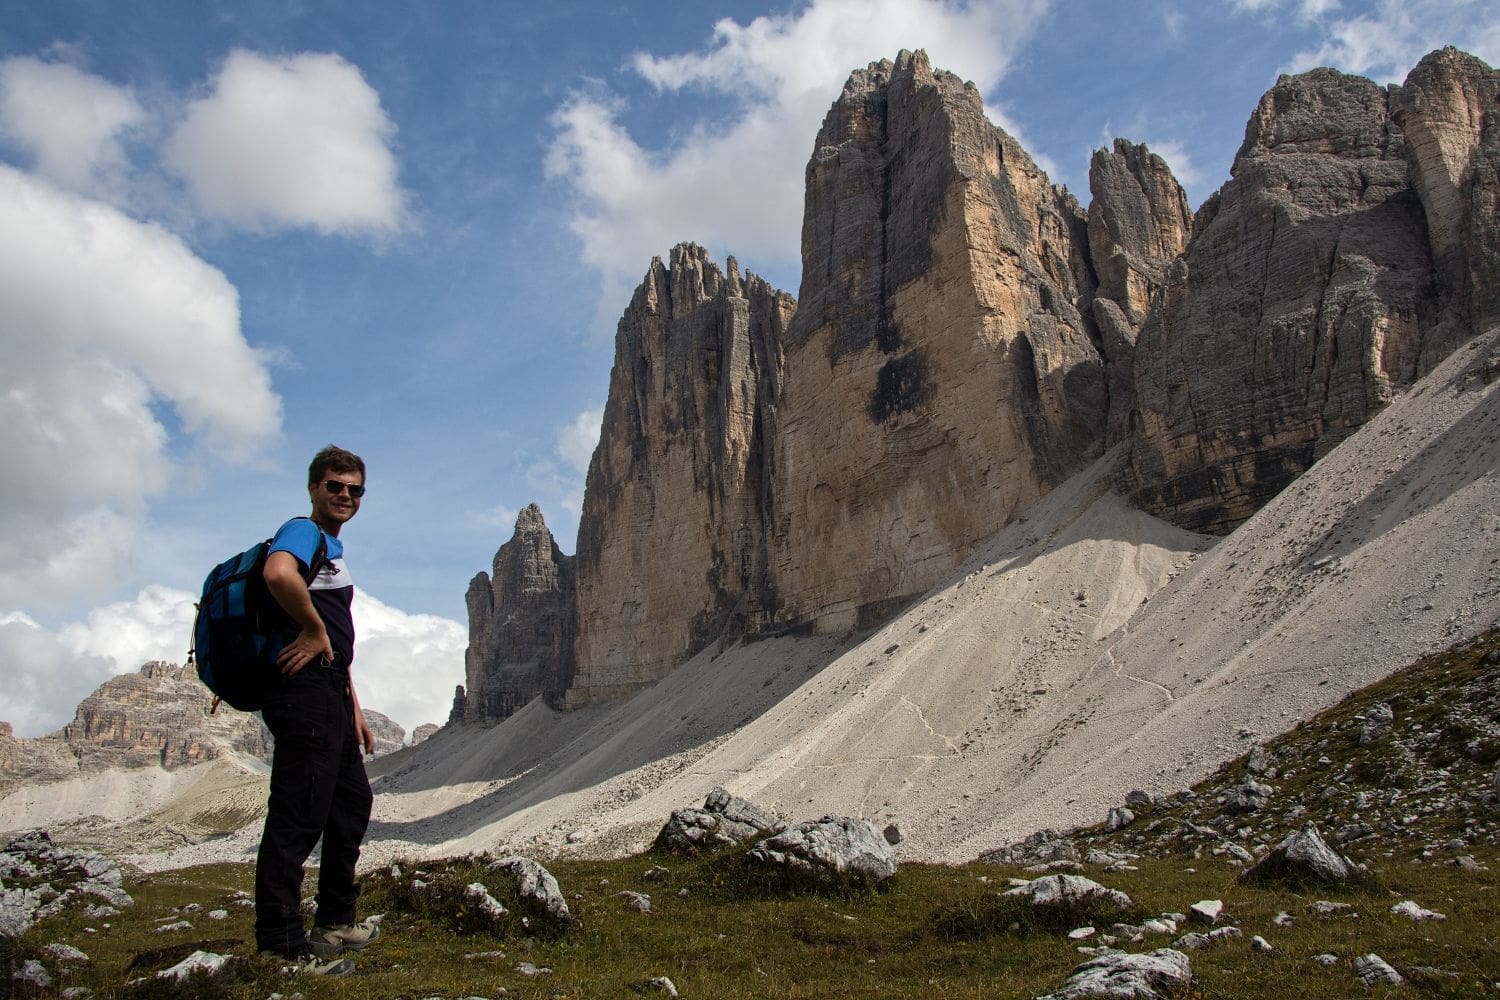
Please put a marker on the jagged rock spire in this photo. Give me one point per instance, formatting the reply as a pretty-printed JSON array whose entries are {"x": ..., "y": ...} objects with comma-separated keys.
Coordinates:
[{"x": 522, "y": 623}]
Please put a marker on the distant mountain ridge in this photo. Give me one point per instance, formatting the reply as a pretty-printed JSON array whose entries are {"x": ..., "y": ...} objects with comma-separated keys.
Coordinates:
[
  {"x": 157, "y": 717},
  {"x": 967, "y": 337}
]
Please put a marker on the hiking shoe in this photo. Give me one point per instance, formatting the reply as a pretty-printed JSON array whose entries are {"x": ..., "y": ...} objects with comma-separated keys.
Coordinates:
[
  {"x": 339, "y": 938},
  {"x": 309, "y": 964}
]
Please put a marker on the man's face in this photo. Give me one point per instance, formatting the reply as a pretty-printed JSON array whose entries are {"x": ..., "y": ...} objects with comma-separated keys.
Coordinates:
[{"x": 332, "y": 499}]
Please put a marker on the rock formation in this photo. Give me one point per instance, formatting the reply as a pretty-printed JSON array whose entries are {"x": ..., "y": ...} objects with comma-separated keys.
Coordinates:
[
  {"x": 942, "y": 372},
  {"x": 1139, "y": 223},
  {"x": 157, "y": 717},
  {"x": 522, "y": 622},
  {"x": 1306, "y": 297},
  {"x": 1448, "y": 111},
  {"x": 389, "y": 736},
  {"x": 967, "y": 337},
  {"x": 678, "y": 482}
]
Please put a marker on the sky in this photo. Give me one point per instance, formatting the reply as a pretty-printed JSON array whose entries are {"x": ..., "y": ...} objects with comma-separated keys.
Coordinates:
[{"x": 233, "y": 233}]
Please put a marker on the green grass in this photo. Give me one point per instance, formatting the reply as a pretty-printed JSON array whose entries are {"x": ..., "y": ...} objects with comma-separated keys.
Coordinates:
[
  {"x": 722, "y": 929},
  {"x": 730, "y": 937}
]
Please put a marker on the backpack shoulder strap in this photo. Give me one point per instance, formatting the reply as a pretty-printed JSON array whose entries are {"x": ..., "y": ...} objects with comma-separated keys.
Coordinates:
[
  {"x": 320, "y": 552},
  {"x": 320, "y": 555}
]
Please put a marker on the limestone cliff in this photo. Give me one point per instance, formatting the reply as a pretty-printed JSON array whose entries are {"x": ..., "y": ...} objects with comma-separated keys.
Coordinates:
[
  {"x": 389, "y": 736},
  {"x": 1320, "y": 280},
  {"x": 671, "y": 542},
  {"x": 522, "y": 622},
  {"x": 942, "y": 370},
  {"x": 967, "y": 337},
  {"x": 1139, "y": 223},
  {"x": 1449, "y": 109}
]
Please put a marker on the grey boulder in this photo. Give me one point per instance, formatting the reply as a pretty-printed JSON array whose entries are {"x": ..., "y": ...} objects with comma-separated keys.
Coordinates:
[
  {"x": 723, "y": 821},
  {"x": 834, "y": 846},
  {"x": 1117, "y": 975},
  {"x": 1301, "y": 857}
]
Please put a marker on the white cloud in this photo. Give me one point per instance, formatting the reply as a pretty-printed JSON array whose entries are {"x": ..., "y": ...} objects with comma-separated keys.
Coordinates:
[
  {"x": 44, "y": 678},
  {"x": 48, "y": 673},
  {"x": 1175, "y": 152},
  {"x": 1386, "y": 38},
  {"x": 67, "y": 120},
  {"x": 734, "y": 180},
  {"x": 499, "y": 516},
  {"x": 556, "y": 481},
  {"x": 406, "y": 666},
  {"x": 294, "y": 141},
  {"x": 562, "y": 475},
  {"x": 1311, "y": 10},
  {"x": 1174, "y": 23},
  {"x": 1305, "y": 9},
  {"x": 576, "y": 441},
  {"x": 103, "y": 318},
  {"x": 156, "y": 625}
]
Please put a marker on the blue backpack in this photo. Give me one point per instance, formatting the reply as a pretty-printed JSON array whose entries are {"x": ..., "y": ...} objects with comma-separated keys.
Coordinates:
[{"x": 240, "y": 629}]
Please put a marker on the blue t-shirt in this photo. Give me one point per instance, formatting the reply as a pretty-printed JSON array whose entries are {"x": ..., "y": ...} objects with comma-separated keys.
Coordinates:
[{"x": 332, "y": 590}]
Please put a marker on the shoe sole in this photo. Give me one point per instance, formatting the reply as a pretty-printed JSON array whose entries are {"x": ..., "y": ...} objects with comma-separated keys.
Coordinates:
[
  {"x": 326, "y": 950},
  {"x": 336, "y": 971}
]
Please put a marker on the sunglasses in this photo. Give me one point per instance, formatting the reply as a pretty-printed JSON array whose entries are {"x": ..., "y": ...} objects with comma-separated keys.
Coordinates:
[{"x": 334, "y": 488}]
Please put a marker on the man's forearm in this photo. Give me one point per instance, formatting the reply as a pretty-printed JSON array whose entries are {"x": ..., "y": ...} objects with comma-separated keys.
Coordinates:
[
  {"x": 294, "y": 598},
  {"x": 284, "y": 580}
]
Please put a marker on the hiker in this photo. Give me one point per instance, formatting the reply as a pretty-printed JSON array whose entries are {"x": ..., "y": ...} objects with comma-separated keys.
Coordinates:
[{"x": 318, "y": 782}]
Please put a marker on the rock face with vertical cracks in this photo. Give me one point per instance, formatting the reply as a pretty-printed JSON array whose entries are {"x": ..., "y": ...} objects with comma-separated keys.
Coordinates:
[
  {"x": 968, "y": 337},
  {"x": 1449, "y": 109},
  {"x": 942, "y": 371},
  {"x": 1304, "y": 300},
  {"x": 1139, "y": 223},
  {"x": 522, "y": 624},
  {"x": 671, "y": 542}
]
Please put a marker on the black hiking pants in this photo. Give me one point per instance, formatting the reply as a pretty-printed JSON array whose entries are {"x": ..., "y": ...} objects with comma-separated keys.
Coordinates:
[{"x": 318, "y": 789}]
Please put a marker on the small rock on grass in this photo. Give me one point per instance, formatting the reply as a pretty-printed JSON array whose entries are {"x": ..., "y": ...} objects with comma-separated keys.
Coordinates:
[
  {"x": 1415, "y": 912},
  {"x": 1206, "y": 911},
  {"x": 1117, "y": 974},
  {"x": 1373, "y": 970}
]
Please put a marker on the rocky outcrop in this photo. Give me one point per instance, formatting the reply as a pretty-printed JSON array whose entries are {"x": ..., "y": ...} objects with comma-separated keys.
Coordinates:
[
  {"x": 834, "y": 848},
  {"x": 537, "y": 889},
  {"x": 157, "y": 717},
  {"x": 942, "y": 373},
  {"x": 1302, "y": 857},
  {"x": 671, "y": 542},
  {"x": 1139, "y": 223},
  {"x": 389, "y": 736},
  {"x": 723, "y": 821},
  {"x": 522, "y": 622},
  {"x": 1163, "y": 972},
  {"x": 161, "y": 716},
  {"x": 1297, "y": 311},
  {"x": 1449, "y": 110},
  {"x": 1307, "y": 296}
]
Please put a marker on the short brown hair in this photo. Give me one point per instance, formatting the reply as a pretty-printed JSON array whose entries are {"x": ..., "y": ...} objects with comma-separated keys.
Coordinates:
[{"x": 334, "y": 459}]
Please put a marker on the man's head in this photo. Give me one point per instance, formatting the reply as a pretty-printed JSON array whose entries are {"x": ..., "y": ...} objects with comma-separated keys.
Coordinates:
[{"x": 335, "y": 482}]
